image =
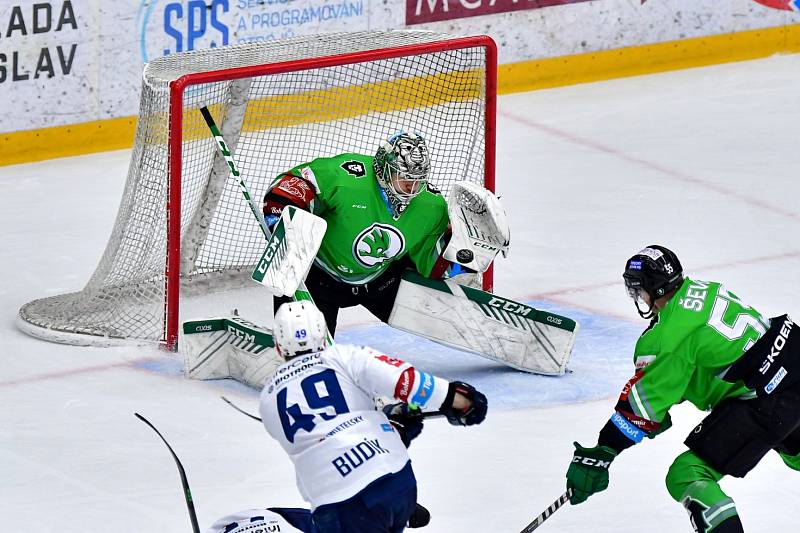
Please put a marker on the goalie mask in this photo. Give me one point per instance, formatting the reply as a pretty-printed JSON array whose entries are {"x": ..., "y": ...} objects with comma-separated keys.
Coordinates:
[
  {"x": 401, "y": 167},
  {"x": 655, "y": 271},
  {"x": 299, "y": 329}
]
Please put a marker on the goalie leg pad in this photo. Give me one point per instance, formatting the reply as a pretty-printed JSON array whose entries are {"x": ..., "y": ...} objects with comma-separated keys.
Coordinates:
[
  {"x": 497, "y": 328},
  {"x": 230, "y": 347}
]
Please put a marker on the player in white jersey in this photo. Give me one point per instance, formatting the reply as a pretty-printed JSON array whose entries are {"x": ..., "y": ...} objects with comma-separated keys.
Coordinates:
[
  {"x": 350, "y": 461},
  {"x": 285, "y": 520}
]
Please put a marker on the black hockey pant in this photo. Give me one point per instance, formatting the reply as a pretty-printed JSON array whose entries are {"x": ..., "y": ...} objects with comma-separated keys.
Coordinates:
[
  {"x": 731, "y": 441},
  {"x": 330, "y": 295}
]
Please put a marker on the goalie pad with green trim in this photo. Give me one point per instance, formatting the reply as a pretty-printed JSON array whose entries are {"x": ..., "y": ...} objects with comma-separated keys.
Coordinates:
[
  {"x": 229, "y": 347},
  {"x": 290, "y": 251},
  {"x": 497, "y": 328}
]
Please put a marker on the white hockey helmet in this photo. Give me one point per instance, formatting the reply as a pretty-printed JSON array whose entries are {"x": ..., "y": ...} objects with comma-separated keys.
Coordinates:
[{"x": 299, "y": 329}]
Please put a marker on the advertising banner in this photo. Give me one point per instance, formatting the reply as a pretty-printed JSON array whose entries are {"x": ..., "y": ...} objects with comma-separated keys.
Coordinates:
[
  {"x": 65, "y": 62},
  {"x": 169, "y": 26},
  {"x": 422, "y": 11},
  {"x": 46, "y": 63}
]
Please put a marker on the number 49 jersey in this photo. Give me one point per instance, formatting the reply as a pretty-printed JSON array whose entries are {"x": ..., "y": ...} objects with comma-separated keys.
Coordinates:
[{"x": 320, "y": 407}]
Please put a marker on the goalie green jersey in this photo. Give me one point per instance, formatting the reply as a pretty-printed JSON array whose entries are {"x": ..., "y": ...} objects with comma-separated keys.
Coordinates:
[
  {"x": 363, "y": 238},
  {"x": 691, "y": 341}
]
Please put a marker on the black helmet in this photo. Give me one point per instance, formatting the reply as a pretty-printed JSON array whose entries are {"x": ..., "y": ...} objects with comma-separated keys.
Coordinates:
[{"x": 655, "y": 271}]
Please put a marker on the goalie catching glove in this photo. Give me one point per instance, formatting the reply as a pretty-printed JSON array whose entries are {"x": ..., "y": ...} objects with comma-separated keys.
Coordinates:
[
  {"x": 479, "y": 227},
  {"x": 464, "y": 405}
]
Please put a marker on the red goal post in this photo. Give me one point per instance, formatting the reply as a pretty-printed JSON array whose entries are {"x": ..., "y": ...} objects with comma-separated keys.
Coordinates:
[{"x": 278, "y": 104}]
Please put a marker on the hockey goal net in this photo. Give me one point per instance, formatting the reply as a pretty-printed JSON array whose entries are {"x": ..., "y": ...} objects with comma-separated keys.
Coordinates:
[{"x": 183, "y": 226}]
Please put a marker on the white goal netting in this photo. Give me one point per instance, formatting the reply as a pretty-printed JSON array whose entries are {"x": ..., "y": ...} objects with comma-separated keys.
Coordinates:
[{"x": 183, "y": 225}]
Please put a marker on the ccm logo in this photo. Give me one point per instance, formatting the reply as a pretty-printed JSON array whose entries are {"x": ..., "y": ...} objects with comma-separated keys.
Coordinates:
[
  {"x": 484, "y": 245},
  {"x": 554, "y": 320},
  {"x": 589, "y": 461}
]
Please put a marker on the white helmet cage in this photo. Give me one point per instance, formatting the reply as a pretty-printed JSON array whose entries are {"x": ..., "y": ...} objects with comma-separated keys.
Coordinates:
[
  {"x": 299, "y": 329},
  {"x": 403, "y": 156}
]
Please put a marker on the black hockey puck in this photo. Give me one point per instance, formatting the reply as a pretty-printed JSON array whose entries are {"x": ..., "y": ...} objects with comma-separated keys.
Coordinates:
[{"x": 464, "y": 255}]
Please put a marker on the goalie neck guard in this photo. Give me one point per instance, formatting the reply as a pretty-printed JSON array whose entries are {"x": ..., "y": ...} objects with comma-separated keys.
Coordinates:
[
  {"x": 654, "y": 271},
  {"x": 299, "y": 329},
  {"x": 401, "y": 167}
]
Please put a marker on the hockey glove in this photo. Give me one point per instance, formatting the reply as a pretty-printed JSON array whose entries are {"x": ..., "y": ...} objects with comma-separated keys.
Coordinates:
[
  {"x": 406, "y": 421},
  {"x": 472, "y": 413},
  {"x": 588, "y": 472}
]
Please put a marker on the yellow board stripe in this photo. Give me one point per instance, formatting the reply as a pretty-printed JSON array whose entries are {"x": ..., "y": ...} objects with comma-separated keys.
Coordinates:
[
  {"x": 118, "y": 133},
  {"x": 647, "y": 59},
  {"x": 63, "y": 141},
  {"x": 339, "y": 103}
]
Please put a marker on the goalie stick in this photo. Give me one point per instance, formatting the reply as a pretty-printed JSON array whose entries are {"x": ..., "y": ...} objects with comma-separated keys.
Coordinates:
[
  {"x": 302, "y": 292},
  {"x": 187, "y": 494},
  {"x": 564, "y": 498},
  {"x": 226, "y": 153}
]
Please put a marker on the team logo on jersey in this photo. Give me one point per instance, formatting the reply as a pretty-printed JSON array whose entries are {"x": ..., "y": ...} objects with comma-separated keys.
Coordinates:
[
  {"x": 377, "y": 244},
  {"x": 297, "y": 188},
  {"x": 354, "y": 168},
  {"x": 390, "y": 360}
]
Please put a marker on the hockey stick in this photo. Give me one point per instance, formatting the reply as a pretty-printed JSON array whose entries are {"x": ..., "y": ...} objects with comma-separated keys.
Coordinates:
[
  {"x": 302, "y": 292},
  {"x": 429, "y": 414},
  {"x": 226, "y": 153},
  {"x": 184, "y": 482},
  {"x": 564, "y": 498},
  {"x": 254, "y": 417}
]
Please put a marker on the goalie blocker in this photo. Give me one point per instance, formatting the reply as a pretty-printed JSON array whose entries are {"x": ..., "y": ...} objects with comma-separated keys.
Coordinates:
[{"x": 290, "y": 251}]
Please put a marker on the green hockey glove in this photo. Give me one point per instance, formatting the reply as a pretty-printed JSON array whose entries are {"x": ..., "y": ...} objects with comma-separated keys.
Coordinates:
[{"x": 588, "y": 472}]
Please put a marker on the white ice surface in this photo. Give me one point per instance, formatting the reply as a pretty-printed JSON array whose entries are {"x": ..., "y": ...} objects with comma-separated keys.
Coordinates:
[{"x": 703, "y": 161}]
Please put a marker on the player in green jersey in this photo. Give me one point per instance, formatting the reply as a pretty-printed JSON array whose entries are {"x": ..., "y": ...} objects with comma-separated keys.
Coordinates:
[
  {"x": 383, "y": 217},
  {"x": 705, "y": 346}
]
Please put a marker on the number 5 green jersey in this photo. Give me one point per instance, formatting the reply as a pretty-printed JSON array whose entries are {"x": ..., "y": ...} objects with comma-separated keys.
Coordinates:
[
  {"x": 363, "y": 238},
  {"x": 702, "y": 330}
]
